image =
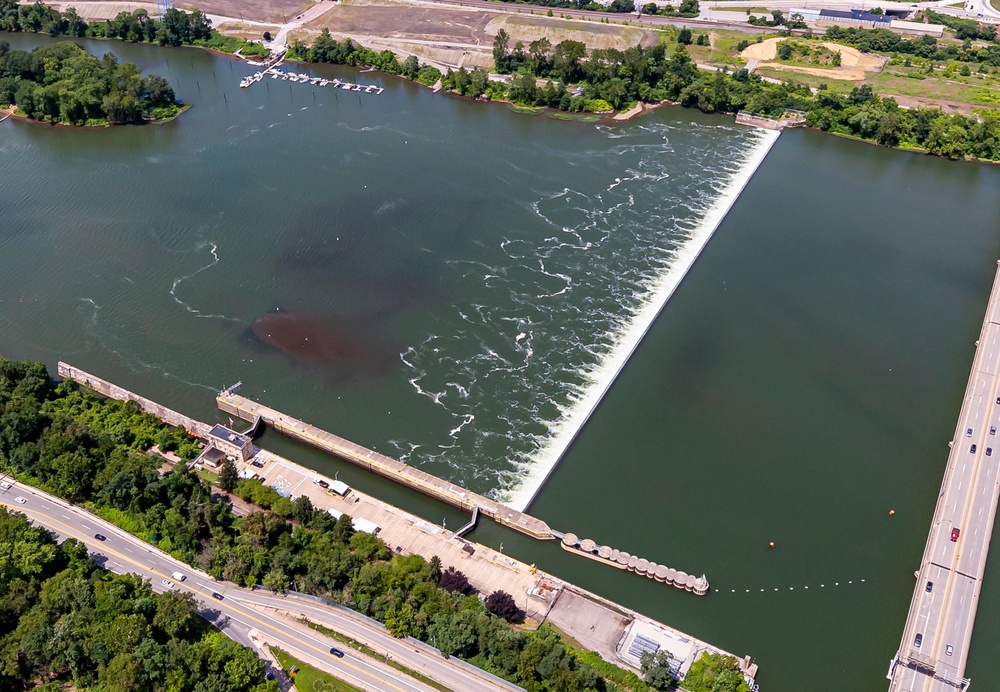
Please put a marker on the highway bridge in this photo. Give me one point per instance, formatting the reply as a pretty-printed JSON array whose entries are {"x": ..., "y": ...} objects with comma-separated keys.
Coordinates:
[{"x": 934, "y": 649}]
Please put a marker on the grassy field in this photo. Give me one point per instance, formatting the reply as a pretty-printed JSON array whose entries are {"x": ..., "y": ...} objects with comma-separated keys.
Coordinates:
[{"x": 309, "y": 679}]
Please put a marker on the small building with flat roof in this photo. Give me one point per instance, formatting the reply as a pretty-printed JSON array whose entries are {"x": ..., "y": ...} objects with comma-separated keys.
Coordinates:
[{"x": 234, "y": 444}]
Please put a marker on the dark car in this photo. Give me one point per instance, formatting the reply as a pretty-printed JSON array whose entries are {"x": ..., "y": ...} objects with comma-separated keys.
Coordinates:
[
  {"x": 216, "y": 595},
  {"x": 918, "y": 640},
  {"x": 993, "y": 430},
  {"x": 989, "y": 451},
  {"x": 930, "y": 586},
  {"x": 955, "y": 533},
  {"x": 972, "y": 449},
  {"x": 100, "y": 537},
  {"x": 337, "y": 652}
]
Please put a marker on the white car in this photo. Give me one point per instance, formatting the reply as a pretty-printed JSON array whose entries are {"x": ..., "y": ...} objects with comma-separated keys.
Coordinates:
[
  {"x": 19, "y": 500},
  {"x": 167, "y": 583}
]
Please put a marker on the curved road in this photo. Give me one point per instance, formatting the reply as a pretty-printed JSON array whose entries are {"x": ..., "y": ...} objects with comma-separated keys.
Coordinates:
[{"x": 242, "y": 610}]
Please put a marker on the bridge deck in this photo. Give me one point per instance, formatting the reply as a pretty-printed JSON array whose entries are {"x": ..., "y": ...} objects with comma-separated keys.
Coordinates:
[{"x": 934, "y": 650}]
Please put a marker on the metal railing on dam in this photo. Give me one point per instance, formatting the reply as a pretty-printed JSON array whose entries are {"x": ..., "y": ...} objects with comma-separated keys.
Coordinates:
[
  {"x": 374, "y": 462},
  {"x": 933, "y": 652}
]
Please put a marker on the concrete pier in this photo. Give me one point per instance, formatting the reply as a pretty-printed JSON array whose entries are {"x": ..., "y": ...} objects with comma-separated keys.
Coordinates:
[{"x": 418, "y": 480}]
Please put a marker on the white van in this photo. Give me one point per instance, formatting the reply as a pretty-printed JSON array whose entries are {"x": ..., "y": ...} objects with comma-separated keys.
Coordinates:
[{"x": 179, "y": 576}]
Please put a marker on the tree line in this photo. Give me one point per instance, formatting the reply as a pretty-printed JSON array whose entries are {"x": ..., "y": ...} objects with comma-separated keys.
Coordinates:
[
  {"x": 62, "y": 83},
  {"x": 612, "y": 79},
  {"x": 65, "y": 440},
  {"x": 326, "y": 49},
  {"x": 927, "y": 47},
  {"x": 176, "y": 28},
  {"x": 65, "y": 621}
]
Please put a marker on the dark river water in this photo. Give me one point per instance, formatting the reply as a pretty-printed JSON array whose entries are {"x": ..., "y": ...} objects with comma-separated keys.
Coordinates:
[{"x": 450, "y": 283}]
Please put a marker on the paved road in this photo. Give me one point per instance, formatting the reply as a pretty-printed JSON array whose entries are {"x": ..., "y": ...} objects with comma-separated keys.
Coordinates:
[
  {"x": 242, "y": 610},
  {"x": 934, "y": 649}
]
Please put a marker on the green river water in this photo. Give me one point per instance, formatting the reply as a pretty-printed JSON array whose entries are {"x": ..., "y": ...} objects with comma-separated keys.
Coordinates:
[{"x": 444, "y": 280}]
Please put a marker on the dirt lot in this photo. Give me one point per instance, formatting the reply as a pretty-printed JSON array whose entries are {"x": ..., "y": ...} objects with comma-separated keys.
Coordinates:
[
  {"x": 272, "y": 11},
  {"x": 854, "y": 65},
  {"x": 452, "y": 35}
]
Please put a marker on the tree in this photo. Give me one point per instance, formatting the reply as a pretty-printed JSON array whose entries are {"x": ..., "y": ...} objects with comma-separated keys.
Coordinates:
[
  {"x": 502, "y": 604},
  {"x": 500, "y": 45},
  {"x": 228, "y": 476},
  {"x": 785, "y": 51},
  {"x": 434, "y": 569},
  {"x": 684, "y": 36},
  {"x": 656, "y": 670},
  {"x": 267, "y": 36},
  {"x": 304, "y": 509},
  {"x": 453, "y": 580}
]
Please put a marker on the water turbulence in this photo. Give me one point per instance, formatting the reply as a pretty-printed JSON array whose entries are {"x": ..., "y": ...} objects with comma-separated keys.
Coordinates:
[
  {"x": 600, "y": 378},
  {"x": 542, "y": 326}
]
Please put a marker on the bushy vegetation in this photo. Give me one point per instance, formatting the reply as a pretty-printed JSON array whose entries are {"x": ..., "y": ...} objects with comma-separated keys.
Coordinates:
[
  {"x": 715, "y": 673},
  {"x": 687, "y": 8},
  {"x": 58, "y": 438},
  {"x": 63, "y": 83},
  {"x": 64, "y": 621},
  {"x": 327, "y": 49},
  {"x": 928, "y": 47},
  {"x": 177, "y": 28}
]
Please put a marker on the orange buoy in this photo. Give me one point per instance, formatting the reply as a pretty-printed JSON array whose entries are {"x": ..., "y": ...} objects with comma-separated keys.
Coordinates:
[
  {"x": 892, "y": 512},
  {"x": 771, "y": 544}
]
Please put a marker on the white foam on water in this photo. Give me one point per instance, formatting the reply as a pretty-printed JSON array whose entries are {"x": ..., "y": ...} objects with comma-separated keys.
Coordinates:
[{"x": 600, "y": 378}]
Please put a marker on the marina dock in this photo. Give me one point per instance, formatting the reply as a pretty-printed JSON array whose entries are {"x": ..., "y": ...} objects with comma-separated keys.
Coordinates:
[{"x": 302, "y": 78}]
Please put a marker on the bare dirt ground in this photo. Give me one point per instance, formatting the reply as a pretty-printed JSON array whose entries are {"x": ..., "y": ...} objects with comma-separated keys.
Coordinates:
[
  {"x": 271, "y": 11},
  {"x": 453, "y": 36},
  {"x": 949, "y": 107},
  {"x": 854, "y": 65}
]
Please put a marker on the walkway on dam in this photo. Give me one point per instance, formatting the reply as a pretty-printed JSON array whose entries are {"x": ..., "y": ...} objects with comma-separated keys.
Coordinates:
[
  {"x": 421, "y": 481},
  {"x": 934, "y": 649}
]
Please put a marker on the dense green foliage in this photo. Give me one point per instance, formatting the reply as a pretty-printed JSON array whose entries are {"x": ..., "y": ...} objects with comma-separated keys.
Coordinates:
[
  {"x": 177, "y": 28},
  {"x": 64, "y": 620},
  {"x": 63, "y": 83},
  {"x": 618, "y": 78},
  {"x": 885, "y": 41},
  {"x": 715, "y": 673},
  {"x": 327, "y": 49},
  {"x": 64, "y": 440}
]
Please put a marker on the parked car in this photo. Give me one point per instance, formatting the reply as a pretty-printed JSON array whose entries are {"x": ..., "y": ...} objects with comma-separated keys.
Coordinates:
[
  {"x": 918, "y": 640},
  {"x": 930, "y": 587},
  {"x": 972, "y": 449},
  {"x": 989, "y": 451},
  {"x": 949, "y": 649}
]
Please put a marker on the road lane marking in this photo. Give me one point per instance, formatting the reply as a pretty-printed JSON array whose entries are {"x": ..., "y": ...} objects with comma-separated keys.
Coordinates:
[{"x": 194, "y": 591}]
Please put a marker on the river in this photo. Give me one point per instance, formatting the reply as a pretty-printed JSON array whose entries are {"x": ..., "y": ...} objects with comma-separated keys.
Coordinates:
[{"x": 444, "y": 281}]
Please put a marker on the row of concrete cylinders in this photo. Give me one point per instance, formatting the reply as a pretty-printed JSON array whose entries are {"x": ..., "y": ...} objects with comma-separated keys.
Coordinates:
[{"x": 639, "y": 565}]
